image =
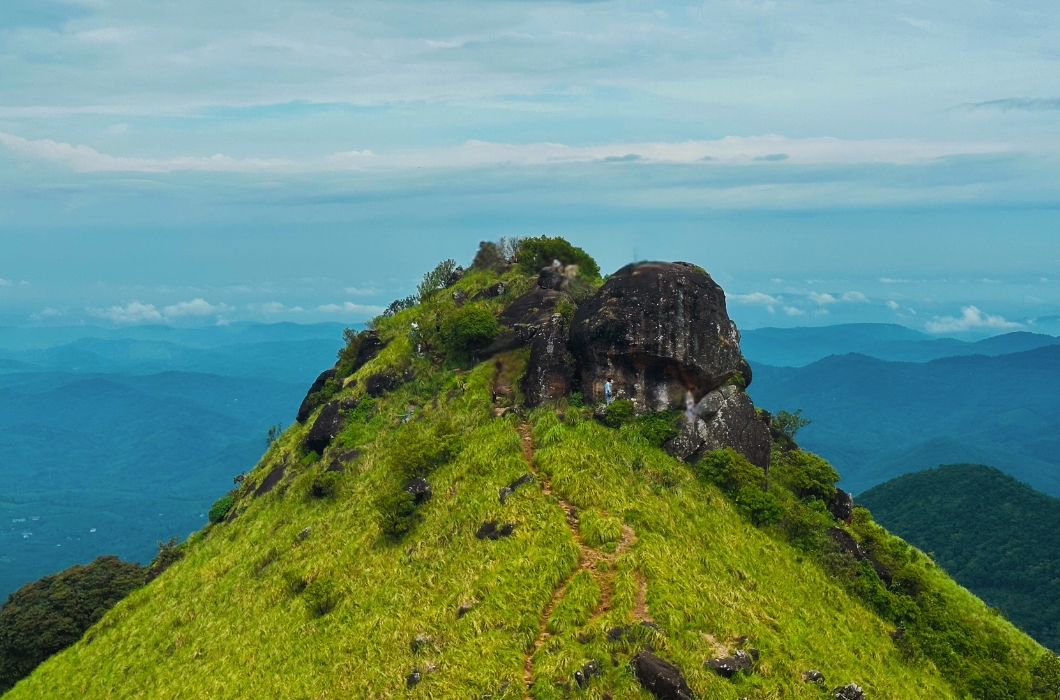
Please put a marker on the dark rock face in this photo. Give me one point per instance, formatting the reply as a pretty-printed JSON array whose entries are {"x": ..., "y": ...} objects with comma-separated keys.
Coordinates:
[
  {"x": 338, "y": 464},
  {"x": 659, "y": 330},
  {"x": 307, "y": 404},
  {"x": 413, "y": 678},
  {"x": 661, "y": 678},
  {"x": 381, "y": 382},
  {"x": 325, "y": 428},
  {"x": 842, "y": 506},
  {"x": 846, "y": 542},
  {"x": 590, "y": 669},
  {"x": 725, "y": 417},
  {"x": 547, "y": 374},
  {"x": 813, "y": 676},
  {"x": 369, "y": 345},
  {"x": 269, "y": 482},
  {"x": 729, "y": 666},
  {"x": 490, "y": 530},
  {"x": 420, "y": 490},
  {"x": 551, "y": 278},
  {"x": 850, "y": 691},
  {"x": 530, "y": 311},
  {"x": 491, "y": 292}
]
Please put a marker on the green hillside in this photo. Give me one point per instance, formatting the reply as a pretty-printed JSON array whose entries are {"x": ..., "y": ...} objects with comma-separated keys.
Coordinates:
[
  {"x": 996, "y": 536},
  {"x": 336, "y": 583}
]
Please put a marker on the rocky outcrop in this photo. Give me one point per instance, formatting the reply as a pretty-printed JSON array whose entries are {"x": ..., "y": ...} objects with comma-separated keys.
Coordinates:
[
  {"x": 325, "y": 427},
  {"x": 368, "y": 346},
  {"x": 271, "y": 479},
  {"x": 846, "y": 542},
  {"x": 842, "y": 506},
  {"x": 725, "y": 417},
  {"x": 420, "y": 490},
  {"x": 491, "y": 530},
  {"x": 309, "y": 403},
  {"x": 548, "y": 373},
  {"x": 658, "y": 330},
  {"x": 729, "y": 666},
  {"x": 850, "y": 691},
  {"x": 661, "y": 678}
]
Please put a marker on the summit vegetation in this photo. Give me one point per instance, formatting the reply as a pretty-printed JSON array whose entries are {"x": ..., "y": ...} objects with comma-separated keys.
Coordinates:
[{"x": 429, "y": 530}]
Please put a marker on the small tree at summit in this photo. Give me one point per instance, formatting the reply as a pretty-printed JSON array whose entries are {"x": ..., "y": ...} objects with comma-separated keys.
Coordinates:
[{"x": 790, "y": 423}]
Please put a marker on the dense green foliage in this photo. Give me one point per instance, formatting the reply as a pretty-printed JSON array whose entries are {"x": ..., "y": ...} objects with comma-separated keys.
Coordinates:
[
  {"x": 345, "y": 597},
  {"x": 466, "y": 330},
  {"x": 998, "y": 537},
  {"x": 48, "y": 615},
  {"x": 536, "y": 253},
  {"x": 220, "y": 509},
  {"x": 789, "y": 423}
]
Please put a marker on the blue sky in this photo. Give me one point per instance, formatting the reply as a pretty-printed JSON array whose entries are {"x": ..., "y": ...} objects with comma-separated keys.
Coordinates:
[{"x": 825, "y": 161}]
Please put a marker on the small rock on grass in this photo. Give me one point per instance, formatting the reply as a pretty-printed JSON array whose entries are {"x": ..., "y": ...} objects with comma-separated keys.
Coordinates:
[
  {"x": 813, "y": 676},
  {"x": 850, "y": 691},
  {"x": 661, "y": 678},
  {"x": 491, "y": 530},
  {"x": 729, "y": 666},
  {"x": 413, "y": 678},
  {"x": 590, "y": 669}
]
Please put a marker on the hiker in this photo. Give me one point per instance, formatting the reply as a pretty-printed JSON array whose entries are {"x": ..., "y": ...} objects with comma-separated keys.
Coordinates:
[
  {"x": 690, "y": 407},
  {"x": 607, "y": 392}
]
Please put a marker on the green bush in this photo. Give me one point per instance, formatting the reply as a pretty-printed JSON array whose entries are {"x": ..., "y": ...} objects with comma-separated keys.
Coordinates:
[
  {"x": 619, "y": 413},
  {"x": 467, "y": 329},
  {"x": 806, "y": 474},
  {"x": 443, "y": 275},
  {"x": 729, "y": 470},
  {"x": 169, "y": 553},
  {"x": 536, "y": 253},
  {"x": 397, "y": 512},
  {"x": 221, "y": 508},
  {"x": 788, "y": 424},
  {"x": 46, "y": 616},
  {"x": 324, "y": 485},
  {"x": 660, "y": 427},
  {"x": 321, "y": 596},
  {"x": 1046, "y": 676},
  {"x": 421, "y": 447}
]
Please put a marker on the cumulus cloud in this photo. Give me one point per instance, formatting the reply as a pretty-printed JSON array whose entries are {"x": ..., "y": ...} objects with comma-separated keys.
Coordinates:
[
  {"x": 5, "y": 283},
  {"x": 47, "y": 312},
  {"x": 892, "y": 305},
  {"x": 133, "y": 312},
  {"x": 350, "y": 308},
  {"x": 361, "y": 291},
  {"x": 733, "y": 150},
  {"x": 195, "y": 307},
  {"x": 275, "y": 307},
  {"x": 854, "y": 296},
  {"x": 971, "y": 318},
  {"x": 793, "y": 311},
  {"x": 822, "y": 299},
  {"x": 755, "y": 299}
]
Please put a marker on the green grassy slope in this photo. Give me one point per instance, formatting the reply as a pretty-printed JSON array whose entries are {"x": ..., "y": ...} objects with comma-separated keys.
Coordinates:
[{"x": 303, "y": 597}]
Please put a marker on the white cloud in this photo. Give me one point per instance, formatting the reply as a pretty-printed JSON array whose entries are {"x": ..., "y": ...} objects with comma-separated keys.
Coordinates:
[
  {"x": 361, "y": 291},
  {"x": 822, "y": 299},
  {"x": 5, "y": 283},
  {"x": 275, "y": 307},
  {"x": 971, "y": 318},
  {"x": 730, "y": 150},
  {"x": 47, "y": 312},
  {"x": 854, "y": 296},
  {"x": 133, "y": 312},
  {"x": 195, "y": 307},
  {"x": 755, "y": 299},
  {"x": 792, "y": 311},
  {"x": 892, "y": 305},
  {"x": 350, "y": 308}
]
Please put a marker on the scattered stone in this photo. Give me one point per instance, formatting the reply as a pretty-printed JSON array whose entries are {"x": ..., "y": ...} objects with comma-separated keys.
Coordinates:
[
  {"x": 420, "y": 490},
  {"x": 842, "y": 506},
  {"x": 419, "y": 642},
  {"x": 548, "y": 370},
  {"x": 615, "y": 633},
  {"x": 530, "y": 311},
  {"x": 846, "y": 542},
  {"x": 490, "y": 530},
  {"x": 658, "y": 330},
  {"x": 307, "y": 406},
  {"x": 652, "y": 626},
  {"x": 465, "y": 608},
  {"x": 499, "y": 411},
  {"x": 303, "y": 534},
  {"x": 813, "y": 676},
  {"x": 850, "y": 691},
  {"x": 491, "y": 292},
  {"x": 510, "y": 488},
  {"x": 729, "y": 666},
  {"x": 590, "y": 669},
  {"x": 459, "y": 297},
  {"x": 381, "y": 382},
  {"x": 661, "y": 678},
  {"x": 413, "y": 678},
  {"x": 327, "y": 425},
  {"x": 897, "y": 633},
  {"x": 269, "y": 482}
]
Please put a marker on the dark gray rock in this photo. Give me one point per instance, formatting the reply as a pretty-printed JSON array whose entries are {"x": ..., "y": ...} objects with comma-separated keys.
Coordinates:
[
  {"x": 842, "y": 506},
  {"x": 325, "y": 428},
  {"x": 850, "y": 691},
  {"x": 615, "y": 633},
  {"x": 419, "y": 642},
  {"x": 380, "y": 383},
  {"x": 368, "y": 346},
  {"x": 491, "y": 530},
  {"x": 551, "y": 278},
  {"x": 661, "y": 678},
  {"x": 491, "y": 292},
  {"x": 309, "y": 402},
  {"x": 464, "y": 609},
  {"x": 530, "y": 311},
  {"x": 413, "y": 678},
  {"x": 729, "y": 666},
  {"x": 658, "y": 330},
  {"x": 846, "y": 542},
  {"x": 813, "y": 676},
  {"x": 548, "y": 371},
  {"x": 420, "y": 490},
  {"x": 508, "y": 490},
  {"x": 338, "y": 464},
  {"x": 267, "y": 484},
  {"x": 725, "y": 417},
  {"x": 590, "y": 669}
]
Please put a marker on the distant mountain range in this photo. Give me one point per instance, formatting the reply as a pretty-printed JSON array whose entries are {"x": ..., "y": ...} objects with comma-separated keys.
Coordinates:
[
  {"x": 876, "y": 419},
  {"x": 796, "y": 347},
  {"x": 998, "y": 537},
  {"x": 123, "y": 438}
]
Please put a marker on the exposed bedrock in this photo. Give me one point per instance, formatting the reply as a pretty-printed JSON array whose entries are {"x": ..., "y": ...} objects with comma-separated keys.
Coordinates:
[
  {"x": 658, "y": 330},
  {"x": 548, "y": 369}
]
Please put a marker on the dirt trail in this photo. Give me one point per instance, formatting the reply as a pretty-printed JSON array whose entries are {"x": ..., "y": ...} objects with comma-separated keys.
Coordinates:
[{"x": 588, "y": 560}]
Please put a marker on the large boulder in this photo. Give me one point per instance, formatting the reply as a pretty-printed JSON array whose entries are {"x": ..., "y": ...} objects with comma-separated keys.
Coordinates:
[
  {"x": 368, "y": 346},
  {"x": 661, "y": 678},
  {"x": 547, "y": 374},
  {"x": 522, "y": 319},
  {"x": 725, "y": 417},
  {"x": 309, "y": 402},
  {"x": 327, "y": 425},
  {"x": 659, "y": 331}
]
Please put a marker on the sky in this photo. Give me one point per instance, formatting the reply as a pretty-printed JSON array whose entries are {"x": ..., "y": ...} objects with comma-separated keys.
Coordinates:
[{"x": 308, "y": 160}]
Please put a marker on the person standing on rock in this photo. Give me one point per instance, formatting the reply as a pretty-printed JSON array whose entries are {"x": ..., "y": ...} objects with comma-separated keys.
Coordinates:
[
  {"x": 607, "y": 392},
  {"x": 690, "y": 407}
]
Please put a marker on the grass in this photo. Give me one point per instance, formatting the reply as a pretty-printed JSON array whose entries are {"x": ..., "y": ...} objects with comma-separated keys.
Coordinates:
[{"x": 304, "y": 598}]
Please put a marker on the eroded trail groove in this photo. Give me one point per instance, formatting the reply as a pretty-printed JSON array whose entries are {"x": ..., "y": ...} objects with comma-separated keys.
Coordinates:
[{"x": 587, "y": 561}]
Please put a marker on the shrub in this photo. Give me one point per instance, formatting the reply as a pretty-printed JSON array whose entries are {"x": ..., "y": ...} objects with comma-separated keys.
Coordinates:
[
  {"x": 660, "y": 427},
  {"x": 576, "y": 400},
  {"x": 421, "y": 447},
  {"x": 788, "y": 423},
  {"x": 221, "y": 508},
  {"x": 443, "y": 275},
  {"x": 536, "y": 253},
  {"x": 729, "y": 470},
  {"x": 1046, "y": 676},
  {"x": 619, "y": 413},
  {"x": 806, "y": 474},
  {"x": 397, "y": 512},
  {"x": 321, "y": 596},
  {"x": 324, "y": 485},
  {"x": 399, "y": 305},
  {"x": 466, "y": 330},
  {"x": 169, "y": 553}
]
